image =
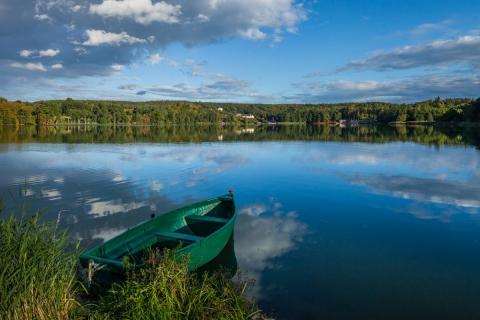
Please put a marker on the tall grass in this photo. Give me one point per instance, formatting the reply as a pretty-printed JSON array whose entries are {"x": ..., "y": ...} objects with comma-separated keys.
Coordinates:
[
  {"x": 37, "y": 270},
  {"x": 164, "y": 289},
  {"x": 38, "y": 281}
]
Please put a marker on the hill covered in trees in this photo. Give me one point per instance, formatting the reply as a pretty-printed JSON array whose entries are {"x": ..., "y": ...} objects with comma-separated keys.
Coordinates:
[{"x": 83, "y": 112}]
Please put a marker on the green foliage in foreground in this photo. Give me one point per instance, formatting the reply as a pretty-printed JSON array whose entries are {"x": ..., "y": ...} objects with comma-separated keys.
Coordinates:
[
  {"x": 37, "y": 271},
  {"x": 166, "y": 290},
  {"x": 38, "y": 281}
]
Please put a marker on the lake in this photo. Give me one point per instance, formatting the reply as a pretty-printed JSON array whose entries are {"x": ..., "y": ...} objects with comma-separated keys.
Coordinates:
[{"x": 334, "y": 223}]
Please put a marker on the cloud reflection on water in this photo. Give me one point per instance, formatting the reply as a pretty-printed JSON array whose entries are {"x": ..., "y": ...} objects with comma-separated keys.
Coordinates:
[
  {"x": 450, "y": 197},
  {"x": 263, "y": 233},
  {"x": 457, "y": 193},
  {"x": 439, "y": 182}
]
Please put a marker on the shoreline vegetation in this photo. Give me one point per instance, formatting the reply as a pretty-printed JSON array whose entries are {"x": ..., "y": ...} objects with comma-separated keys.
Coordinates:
[
  {"x": 39, "y": 281},
  {"x": 121, "y": 113}
]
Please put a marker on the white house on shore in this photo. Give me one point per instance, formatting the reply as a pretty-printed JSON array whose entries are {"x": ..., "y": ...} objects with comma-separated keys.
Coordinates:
[{"x": 245, "y": 116}]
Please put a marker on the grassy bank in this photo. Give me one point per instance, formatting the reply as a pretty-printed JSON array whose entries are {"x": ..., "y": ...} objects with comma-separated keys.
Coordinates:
[
  {"x": 166, "y": 290},
  {"x": 38, "y": 281},
  {"x": 37, "y": 271}
]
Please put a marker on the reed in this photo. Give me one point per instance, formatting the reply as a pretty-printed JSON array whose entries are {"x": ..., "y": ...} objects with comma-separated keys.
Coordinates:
[
  {"x": 37, "y": 270},
  {"x": 164, "y": 289}
]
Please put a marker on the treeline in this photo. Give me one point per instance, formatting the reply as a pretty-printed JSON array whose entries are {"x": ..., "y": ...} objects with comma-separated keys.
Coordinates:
[{"x": 85, "y": 112}]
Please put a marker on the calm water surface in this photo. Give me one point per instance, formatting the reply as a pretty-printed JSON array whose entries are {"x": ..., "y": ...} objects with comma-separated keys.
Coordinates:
[{"x": 330, "y": 227}]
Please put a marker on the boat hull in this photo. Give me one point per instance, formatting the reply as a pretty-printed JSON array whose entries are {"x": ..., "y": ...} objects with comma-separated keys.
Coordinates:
[
  {"x": 200, "y": 231},
  {"x": 206, "y": 250}
]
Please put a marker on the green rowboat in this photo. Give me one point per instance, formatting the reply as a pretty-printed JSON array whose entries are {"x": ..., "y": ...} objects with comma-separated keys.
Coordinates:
[{"x": 200, "y": 230}]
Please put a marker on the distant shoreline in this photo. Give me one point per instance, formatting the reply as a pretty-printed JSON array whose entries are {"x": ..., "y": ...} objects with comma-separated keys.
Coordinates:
[{"x": 81, "y": 112}]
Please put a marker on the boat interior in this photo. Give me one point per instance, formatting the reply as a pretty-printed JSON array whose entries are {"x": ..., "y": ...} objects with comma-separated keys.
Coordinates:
[{"x": 194, "y": 228}]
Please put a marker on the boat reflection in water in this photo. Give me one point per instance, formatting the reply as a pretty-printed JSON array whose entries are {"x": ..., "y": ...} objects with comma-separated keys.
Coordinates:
[{"x": 226, "y": 261}]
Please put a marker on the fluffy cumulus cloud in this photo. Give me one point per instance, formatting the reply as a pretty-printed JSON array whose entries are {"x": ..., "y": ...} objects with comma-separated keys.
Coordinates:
[
  {"x": 101, "y": 37},
  {"x": 29, "y": 66},
  {"x": 26, "y": 53},
  {"x": 87, "y": 37},
  {"x": 57, "y": 66},
  {"x": 253, "y": 34},
  {"x": 38, "y": 53},
  {"x": 141, "y": 11},
  {"x": 48, "y": 53},
  {"x": 42, "y": 17},
  {"x": 117, "y": 67}
]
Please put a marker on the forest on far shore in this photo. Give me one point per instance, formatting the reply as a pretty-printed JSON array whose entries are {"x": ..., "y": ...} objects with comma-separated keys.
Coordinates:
[{"x": 83, "y": 112}]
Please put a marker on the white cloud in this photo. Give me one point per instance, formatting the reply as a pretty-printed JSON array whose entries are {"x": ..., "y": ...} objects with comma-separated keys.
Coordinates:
[
  {"x": 57, "y": 66},
  {"x": 195, "y": 69},
  {"x": 142, "y": 11},
  {"x": 202, "y": 18},
  {"x": 277, "y": 38},
  {"x": 464, "y": 49},
  {"x": 218, "y": 90},
  {"x": 39, "y": 53},
  {"x": 155, "y": 58},
  {"x": 408, "y": 89},
  {"x": 29, "y": 66},
  {"x": 431, "y": 27},
  {"x": 253, "y": 34},
  {"x": 80, "y": 50},
  {"x": 48, "y": 53},
  {"x": 138, "y": 23},
  {"x": 100, "y": 37},
  {"x": 117, "y": 67},
  {"x": 26, "y": 53},
  {"x": 348, "y": 85},
  {"x": 42, "y": 17},
  {"x": 76, "y": 8}
]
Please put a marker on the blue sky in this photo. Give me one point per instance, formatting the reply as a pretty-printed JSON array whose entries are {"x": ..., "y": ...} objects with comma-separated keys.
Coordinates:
[{"x": 240, "y": 50}]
